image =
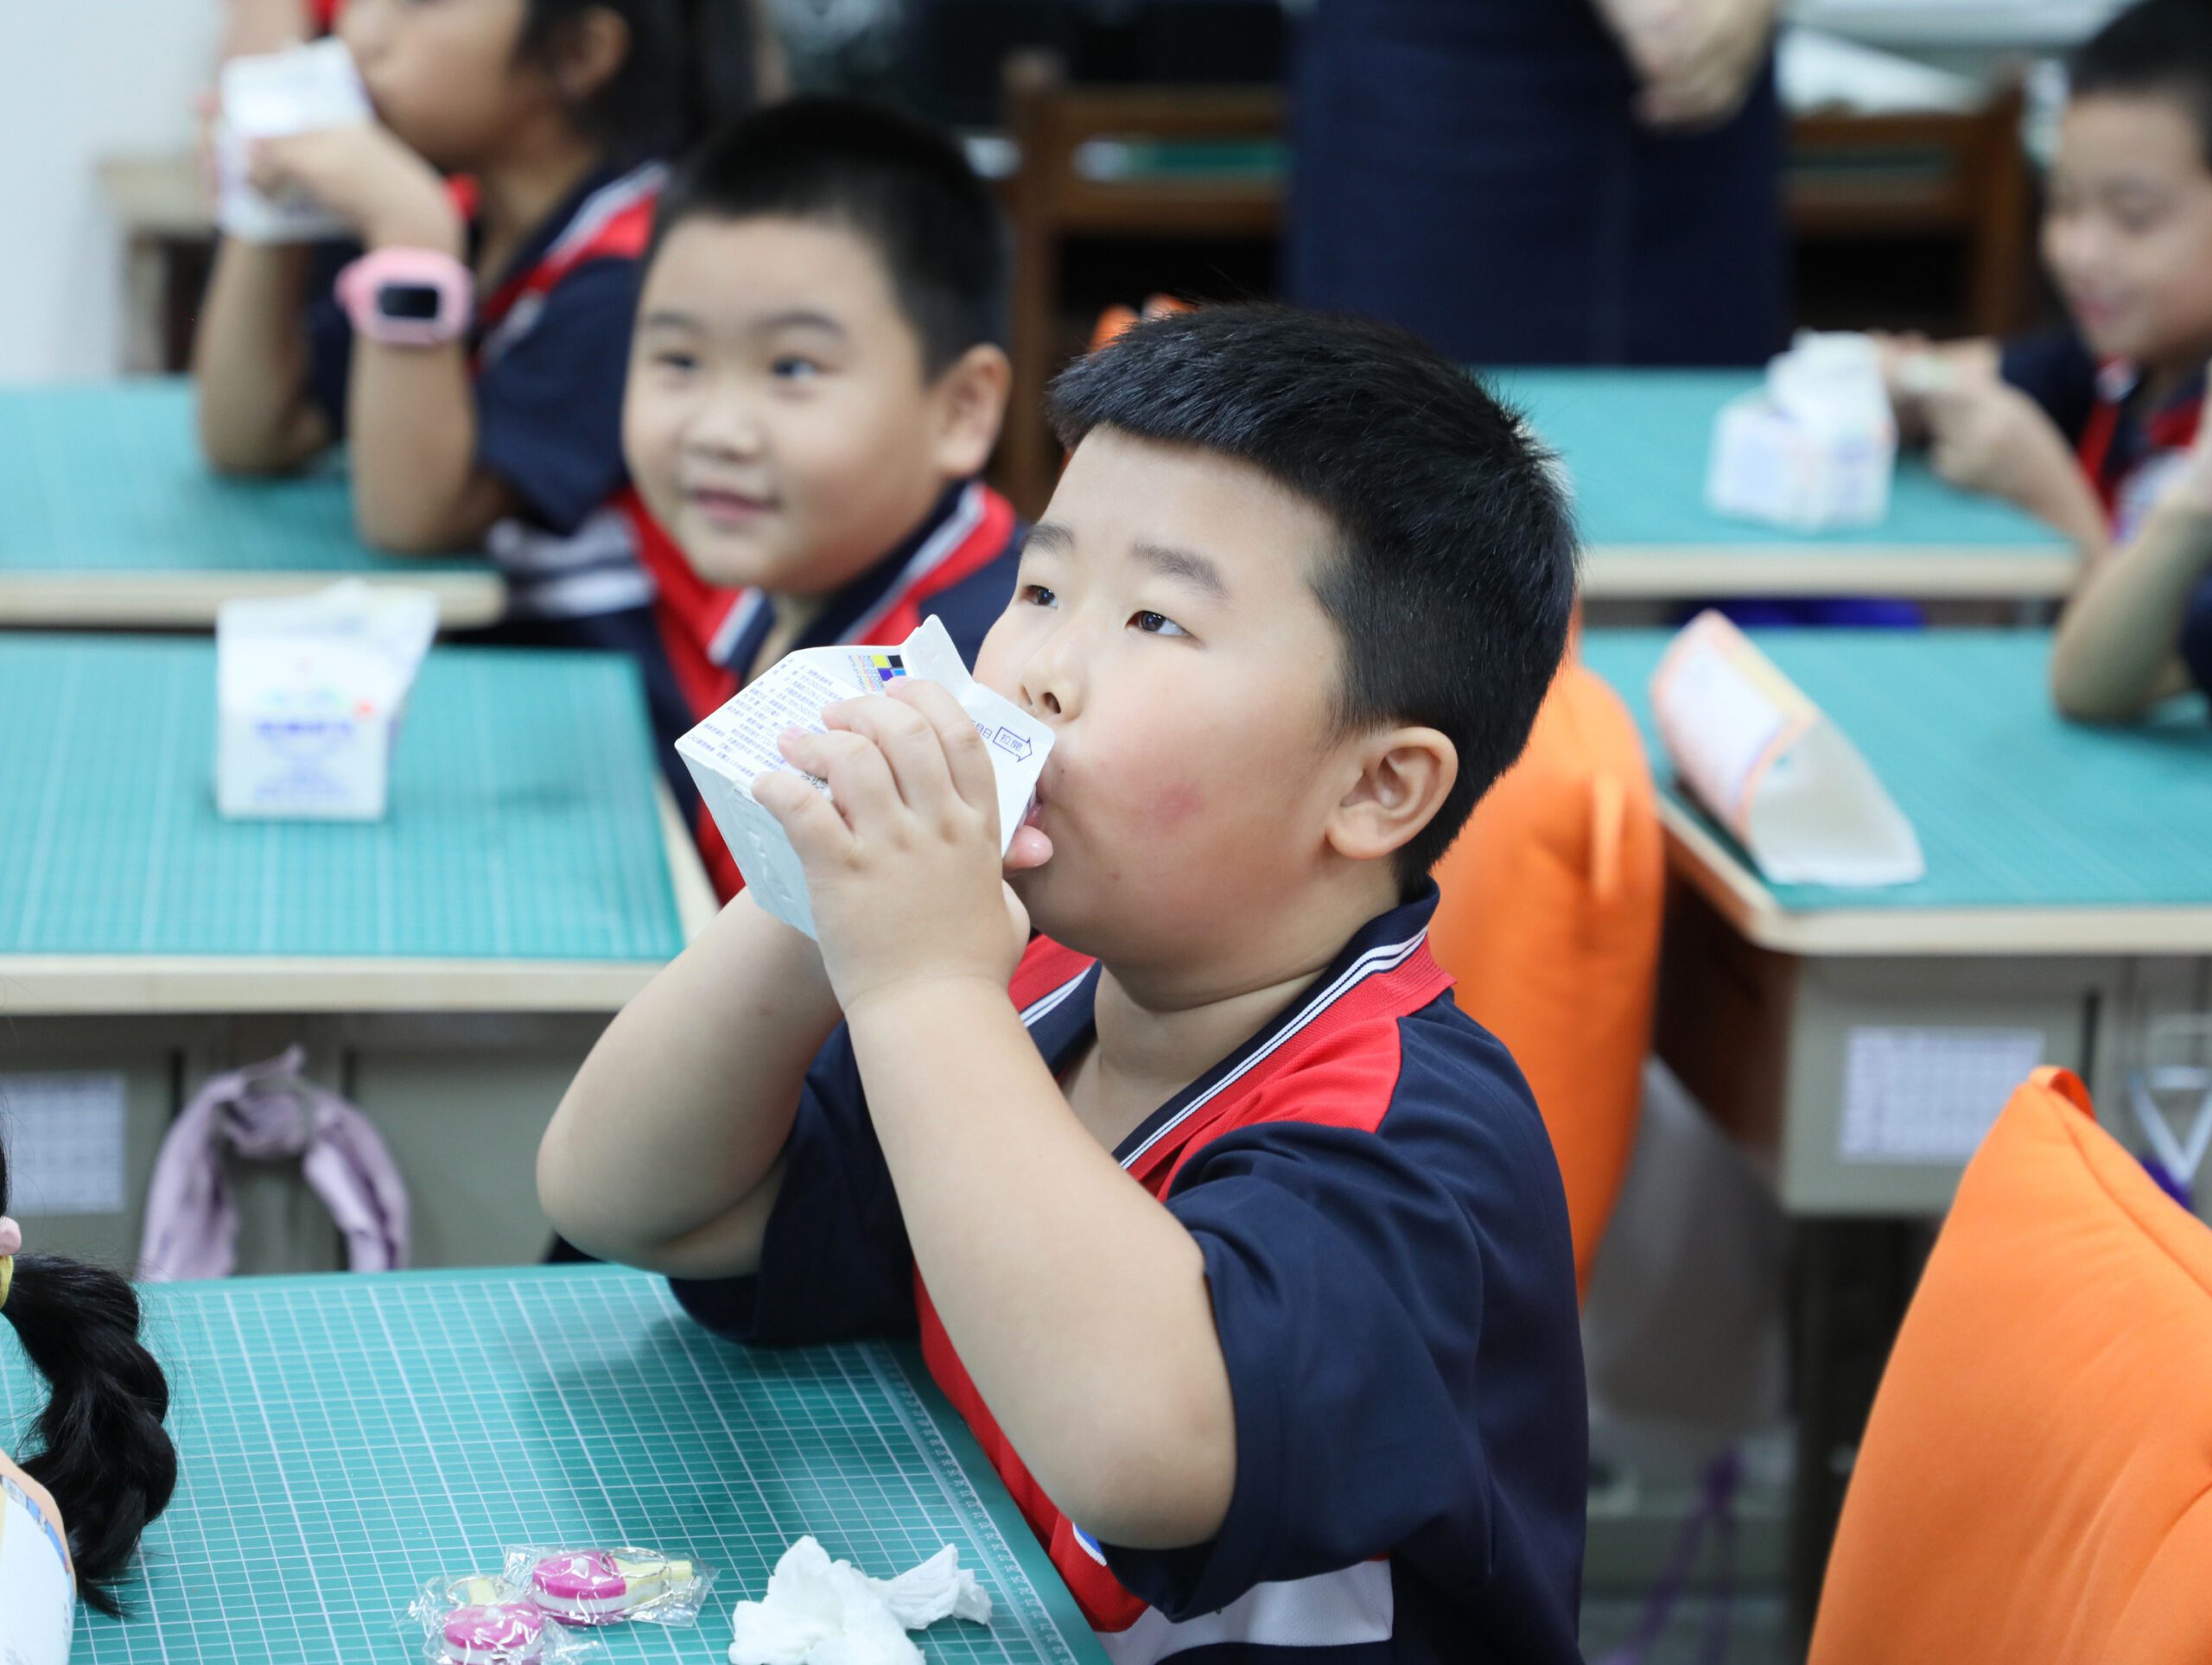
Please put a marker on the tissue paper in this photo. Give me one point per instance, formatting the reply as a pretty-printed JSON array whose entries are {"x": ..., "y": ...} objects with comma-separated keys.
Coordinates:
[
  {"x": 269, "y": 96},
  {"x": 737, "y": 744},
  {"x": 310, "y": 692},
  {"x": 1771, "y": 765},
  {"x": 1813, "y": 449},
  {"x": 817, "y": 1611}
]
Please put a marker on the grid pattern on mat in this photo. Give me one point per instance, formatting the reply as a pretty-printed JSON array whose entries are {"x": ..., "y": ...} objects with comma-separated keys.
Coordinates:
[
  {"x": 1637, "y": 443},
  {"x": 345, "y": 1440},
  {"x": 108, "y": 478},
  {"x": 522, "y": 821},
  {"x": 2014, "y": 808}
]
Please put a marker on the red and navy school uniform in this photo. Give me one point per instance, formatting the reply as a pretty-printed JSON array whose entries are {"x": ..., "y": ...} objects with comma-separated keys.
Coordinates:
[
  {"x": 958, "y": 563},
  {"x": 1385, "y": 1244},
  {"x": 2127, "y": 447}
]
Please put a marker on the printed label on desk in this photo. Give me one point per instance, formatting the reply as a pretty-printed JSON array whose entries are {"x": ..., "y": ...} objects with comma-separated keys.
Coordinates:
[
  {"x": 1764, "y": 759},
  {"x": 38, "y": 1606},
  {"x": 1929, "y": 1094},
  {"x": 66, "y": 1144}
]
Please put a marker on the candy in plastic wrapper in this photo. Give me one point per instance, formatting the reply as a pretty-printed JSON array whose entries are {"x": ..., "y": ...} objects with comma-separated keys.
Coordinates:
[
  {"x": 610, "y": 1586},
  {"x": 488, "y": 1619}
]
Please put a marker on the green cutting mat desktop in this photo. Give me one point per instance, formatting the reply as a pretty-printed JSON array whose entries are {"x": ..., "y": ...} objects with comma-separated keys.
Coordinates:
[
  {"x": 2014, "y": 807},
  {"x": 108, "y": 478},
  {"x": 1637, "y": 443},
  {"x": 343, "y": 1440},
  {"x": 522, "y": 821}
]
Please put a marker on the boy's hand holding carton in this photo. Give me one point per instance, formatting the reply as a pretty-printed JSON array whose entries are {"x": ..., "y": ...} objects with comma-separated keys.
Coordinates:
[{"x": 887, "y": 817}]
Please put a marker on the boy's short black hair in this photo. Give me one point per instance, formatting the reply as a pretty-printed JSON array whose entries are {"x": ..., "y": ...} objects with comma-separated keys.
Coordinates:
[
  {"x": 1453, "y": 577},
  {"x": 901, "y": 185},
  {"x": 2156, "y": 48}
]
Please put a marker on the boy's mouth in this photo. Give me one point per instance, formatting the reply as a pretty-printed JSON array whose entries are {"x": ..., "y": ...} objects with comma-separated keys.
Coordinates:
[{"x": 722, "y": 507}]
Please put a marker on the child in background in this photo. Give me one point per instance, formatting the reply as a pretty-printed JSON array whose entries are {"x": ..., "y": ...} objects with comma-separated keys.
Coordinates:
[
  {"x": 815, "y": 383},
  {"x": 495, "y": 423},
  {"x": 1241, "y": 1248},
  {"x": 2086, "y": 428},
  {"x": 102, "y": 1467}
]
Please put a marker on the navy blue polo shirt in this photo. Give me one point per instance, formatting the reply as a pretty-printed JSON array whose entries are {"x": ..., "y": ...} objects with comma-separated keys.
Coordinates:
[
  {"x": 2128, "y": 446},
  {"x": 1387, "y": 1246}
]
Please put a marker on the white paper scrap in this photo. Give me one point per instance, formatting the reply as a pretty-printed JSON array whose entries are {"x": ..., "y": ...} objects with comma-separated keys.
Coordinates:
[
  {"x": 1929, "y": 1094},
  {"x": 817, "y": 1611},
  {"x": 64, "y": 1134}
]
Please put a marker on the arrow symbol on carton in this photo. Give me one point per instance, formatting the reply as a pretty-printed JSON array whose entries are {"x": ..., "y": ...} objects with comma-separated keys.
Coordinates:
[{"x": 1013, "y": 745}]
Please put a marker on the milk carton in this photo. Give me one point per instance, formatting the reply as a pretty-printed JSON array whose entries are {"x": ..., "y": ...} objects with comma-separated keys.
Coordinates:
[
  {"x": 736, "y": 744},
  {"x": 310, "y": 692},
  {"x": 270, "y": 96},
  {"x": 1814, "y": 450}
]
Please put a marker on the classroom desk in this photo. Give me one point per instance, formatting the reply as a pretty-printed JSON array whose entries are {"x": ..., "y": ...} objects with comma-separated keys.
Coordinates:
[
  {"x": 109, "y": 517},
  {"x": 446, "y": 967},
  {"x": 344, "y": 1441},
  {"x": 1858, "y": 1043},
  {"x": 1636, "y": 442}
]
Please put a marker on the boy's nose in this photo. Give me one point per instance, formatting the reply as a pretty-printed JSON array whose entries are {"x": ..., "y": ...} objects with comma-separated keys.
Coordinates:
[{"x": 722, "y": 431}]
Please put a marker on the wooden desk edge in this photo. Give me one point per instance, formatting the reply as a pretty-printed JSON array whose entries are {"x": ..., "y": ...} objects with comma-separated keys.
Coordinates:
[
  {"x": 124, "y": 599},
  {"x": 1743, "y": 900},
  {"x": 1671, "y": 572},
  {"x": 43, "y": 985}
]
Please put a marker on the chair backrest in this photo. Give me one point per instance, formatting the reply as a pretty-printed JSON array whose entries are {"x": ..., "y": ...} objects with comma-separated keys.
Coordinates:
[
  {"x": 1550, "y": 921},
  {"x": 2035, "y": 1481},
  {"x": 1962, "y": 175},
  {"x": 1143, "y": 160}
]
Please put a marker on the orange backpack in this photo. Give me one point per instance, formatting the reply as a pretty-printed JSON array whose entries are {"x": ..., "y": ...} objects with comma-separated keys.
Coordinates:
[
  {"x": 2035, "y": 1482},
  {"x": 1550, "y": 921}
]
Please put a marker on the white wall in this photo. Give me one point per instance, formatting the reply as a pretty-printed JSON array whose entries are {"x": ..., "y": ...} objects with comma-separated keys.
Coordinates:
[{"x": 80, "y": 79}]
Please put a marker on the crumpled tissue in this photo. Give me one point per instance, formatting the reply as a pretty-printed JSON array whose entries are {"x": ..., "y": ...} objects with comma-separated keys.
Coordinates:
[{"x": 818, "y": 1611}]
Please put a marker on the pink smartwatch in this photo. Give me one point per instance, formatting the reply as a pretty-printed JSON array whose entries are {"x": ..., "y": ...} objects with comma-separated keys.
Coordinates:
[{"x": 408, "y": 297}]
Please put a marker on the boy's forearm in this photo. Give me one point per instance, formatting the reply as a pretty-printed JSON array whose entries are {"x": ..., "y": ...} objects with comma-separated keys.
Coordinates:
[
  {"x": 679, "y": 1115},
  {"x": 2114, "y": 653},
  {"x": 1079, "y": 1305},
  {"x": 2060, "y": 496},
  {"x": 248, "y": 361}
]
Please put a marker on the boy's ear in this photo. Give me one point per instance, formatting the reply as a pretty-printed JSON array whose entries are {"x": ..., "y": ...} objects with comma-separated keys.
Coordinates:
[
  {"x": 1405, "y": 774},
  {"x": 587, "y": 52},
  {"x": 969, "y": 398}
]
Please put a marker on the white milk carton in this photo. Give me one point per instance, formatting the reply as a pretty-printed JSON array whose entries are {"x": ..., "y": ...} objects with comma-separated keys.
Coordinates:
[
  {"x": 270, "y": 96},
  {"x": 310, "y": 692},
  {"x": 1773, "y": 768},
  {"x": 737, "y": 744},
  {"x": 1815, "y": 448}
]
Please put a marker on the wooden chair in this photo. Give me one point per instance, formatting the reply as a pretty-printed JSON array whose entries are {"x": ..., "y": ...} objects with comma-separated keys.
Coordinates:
[
  {"x": 1060, "y": 189},
  {"x": 1964, "y": 176}
]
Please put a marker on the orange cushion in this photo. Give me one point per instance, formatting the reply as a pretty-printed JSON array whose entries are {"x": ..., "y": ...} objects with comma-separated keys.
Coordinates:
[
  {"x": 2035, "y": 1482},
  {"x": 1550, "y": 922}
]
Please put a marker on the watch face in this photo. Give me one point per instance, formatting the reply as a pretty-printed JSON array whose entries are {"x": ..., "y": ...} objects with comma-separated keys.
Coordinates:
[{"x": 416, "y": 303}]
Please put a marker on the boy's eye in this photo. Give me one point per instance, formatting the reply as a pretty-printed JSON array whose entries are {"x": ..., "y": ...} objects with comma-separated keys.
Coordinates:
[
  {"x": 792, "y": 368},
  {"x": 1157, "y": 624},
  {"x": 1038, "y": 595},
  {"x": 678, "y": 361}
]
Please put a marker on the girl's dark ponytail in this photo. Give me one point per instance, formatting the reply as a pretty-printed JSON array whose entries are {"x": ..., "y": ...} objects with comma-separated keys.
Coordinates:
[
  {"x": 692, "y": 65},
  {"x": 101, "y": 1448}
]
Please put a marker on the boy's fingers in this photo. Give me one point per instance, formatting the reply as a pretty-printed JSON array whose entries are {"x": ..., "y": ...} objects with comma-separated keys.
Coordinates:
[
  {"x": 860, "y": 780},
  {"x": 908, "y": 743},
  {"x": 808, "y": 819},
  {"x": 964, "y": 753}
]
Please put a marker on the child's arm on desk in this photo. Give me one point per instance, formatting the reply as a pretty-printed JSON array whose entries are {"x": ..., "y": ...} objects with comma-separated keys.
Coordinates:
[
  {"x": 1078, "y": 1303},
  {"x": 2115, "y": 651},
  {"x": 250, "y": 362},
  {"x": 663, "y": 1152},
  {"x": 411, "y": 412}
]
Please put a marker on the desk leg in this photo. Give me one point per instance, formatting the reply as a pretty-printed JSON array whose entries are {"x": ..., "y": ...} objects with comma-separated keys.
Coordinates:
[{"x": 1853, "y": 1280}]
